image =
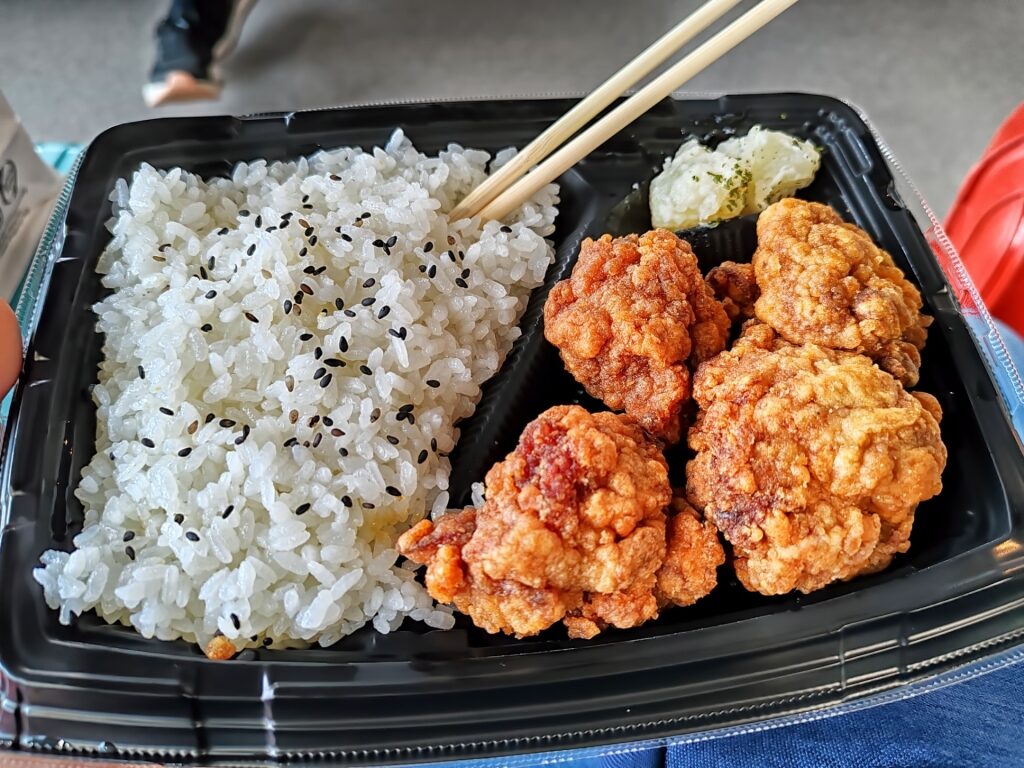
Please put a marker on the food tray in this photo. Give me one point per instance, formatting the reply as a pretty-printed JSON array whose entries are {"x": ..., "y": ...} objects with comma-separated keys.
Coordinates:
[{"x": 414, "y": 695}]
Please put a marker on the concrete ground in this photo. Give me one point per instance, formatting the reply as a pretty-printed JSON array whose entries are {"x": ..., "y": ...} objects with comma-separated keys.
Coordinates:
[{"x": 936, "y": 76}]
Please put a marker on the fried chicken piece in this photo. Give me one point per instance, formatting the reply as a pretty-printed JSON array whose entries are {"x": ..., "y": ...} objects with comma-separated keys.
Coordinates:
[
  {"x": 734, "y": 285},
  {"x": 632, "y": 321},
  {"x": 219, "y": 649},
  {"x": 823, "y": 281},
  {"x": 811, "y": 462},
  {"x": 572, "y": 529},
  {"x": 692, "y": 557}
]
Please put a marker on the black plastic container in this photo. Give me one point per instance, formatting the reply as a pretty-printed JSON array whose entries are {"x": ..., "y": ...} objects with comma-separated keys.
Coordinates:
[{"x": 414, "y": 695}]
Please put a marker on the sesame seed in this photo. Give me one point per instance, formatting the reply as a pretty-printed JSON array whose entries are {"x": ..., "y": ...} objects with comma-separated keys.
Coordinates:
[
  {"x": 210, "y": 417},
  {"x": 227, "y": 511},
  {"x": 192, "y": 536},
  {"x": 343, "y": 344},
  {"x": 328, "y": 421},
  {"x": 306, "y": 289},
  {"x": 335, "y": 177},
  {"x": 394, "y": 333},
  {"x": 365, "y": 215},
  {"x": 506, "y": 229},
  {"x": 305, "y": 336},
  {"x": 403, "y": 332},
  {"x": 326, "y": 380},
  {"x": 451, "y": 240},
  {"x": 465, "y": 273},
  {"x": 308, "y": 231},
  {"x": 432, "y": 272},
  {"x": 307, "y": 206},
  {"x": 450, "y": 255},
  {"x": 184, "y": 452},
  {"x": 284, "y": 224},
  {"x": 334, "y": 362},
  {"x": 312, "y": 240},
  {"x": 298, "y": 297},
  {"x": 422, "y": 267},
  {"x": 428, "y": 247},
  {"x": 193, "y": 427},
  {"x": 374, "y": 415},
  {"x": 267, "y": 641},
  {"x": 293, "y": 416},
  {"x": 343, "y": 452},
  {"x": 317, "y": 439},
  {"x": 235, "y": 621},
  {"x": 303, "y": 251},
  {"x": 304, "y": 224},
  {"x": 158, "y": 257},
  {"x": 411, "y": 418},
  {"x": 349, "y": 313},
  {"x": 128, "y": 536},
  {"x": 368, "y": 283},
  {"x": 392, "y": 491},
  {"x": 259, "y": 222},
  {"x": 384, "y": 312},
  {"x": 339, "y": 304},
  {"x": 211, "y": 262},
  {"x": 179, "y": 518},
  {"x": 250, "y": 250},
  {"x": 227, "y": 423},
  {"x": 368, "y": 505},
  {"x": 391, "y": 241},
  {"x": 142, "y": 372},
  {"x": 305, "y": 198},
  {"x": 223, "y": 231},
  {"x": 346, "y": 500},
  {"x": 243, "y": 213},
  {"x": 368, "y": 301},
  {"x": 433, "y": 444},
  {"x": 148, "y": 443},
  {"x": 202, "y": 273},
  {"x": 378, "y": 243},
  {"x": 337, "y": 433},
  {"x": 319, "y": 372},
  {"x": 392, "y": 439},
  {"x": 422, "y": 457},
  {"x": 309, "y": 270},
  {"x": 251, "y": 317},
  {"x": 320, "y": 270},
  {"x": 405, "y": 408},
  {"x": 166, "y": 411},
  {"x": 205, "y": 327},
  {"x": 302, "y": 508},
  {"x": 245, "y": 433},
  {"x": 211, "y": 294},
  {"x": 287, "y": 306},
  {"x": 318, "y": 353},
  {"x": 461, "y": 283},
  {"x": 130, "y": 551},
  {"x": 271, "y": 228},
  {"x": 433, "y": 383},
  {"x": 462, "y": 255},
  {"x": 346, "y": 237},
  {"x": 290, "y": 442},
  {"x": 365, "y": 370}
]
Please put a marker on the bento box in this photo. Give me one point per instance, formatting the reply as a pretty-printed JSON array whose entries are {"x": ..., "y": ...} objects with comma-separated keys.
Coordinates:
[{"x": 421, "y": 695}]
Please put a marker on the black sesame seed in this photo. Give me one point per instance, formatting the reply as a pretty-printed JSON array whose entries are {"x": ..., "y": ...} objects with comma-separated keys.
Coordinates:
[
  {"x": 405, "y": 408},
  {"x": 223, "y": 231},
  {"x": 411, "y": 418},
  {"x": 506, "y": 229},
  {"x": 308, "y": 231},
  {"x": 392, "y": 439},
  {"x": 317, "y": 439},
  {"x": 450, "y": 255},
  {"x": 343, "y": 452},
  {"x": 326, "y": 380},
  {"x": 401, "y": 416},
  {"x": 166, "y": 411},
  {"x": 422, "y": 457},
  {"x": 251, "y": 317},
  {"x": 306, "y": 289},
  {"x": 211, "y": 294},
  {"x": 179, "y": 518},
  {"x": 243, "y": 213},
  {"x": 365, "y": 370},
  {"x": 210, "y": 417},
  {"x": 205, "y": 327},
  {"x": 422, "y": 267},
  {"x": 250, "y": 250},
  {"x": 305, "y": 443},
  {"x": 461, "y": 283},
  {"x": 334, "y": 362},
  {"x": 312, "y": 240},
  {"x": 465, "y": 273},
  {"x": 335, "y": 177},
  {"x": 378, "y": 243},
  {"x": 433, "y": 383},
  {"x": 227, "y": 511},
  {"x": 309, "y": 270},
  {"x": 303, "y": 251},
  {"x": 320, "y": 271},
  {"x": 271, "y": 228},
  {"x": 245, "y": 433},
  {"x": 267, "y": 641},
  {"x": 432, "y": 272},
  {"x": 184, "y": 452},
  {"x": 369, "y": 505},
  {"x": 394, "y": 333},
  {"x": 130, "y": 551},
  {"x": 306, "y": 337},
  {"x": 336, "y": 432},
  {"x": 368, "y": 301},
  {"x": 428, "y": 247},
  {"x": 235, "y": 621},
  {"x": 384, "y": 312},
  {"x": 374, "y": 415},
  {"x": 346, "y": 500},
  {"x": 319, "y": 372},
  {"x": 128, "y": 536},
  {"x": 392, "y": 491},
  {"x": 211, "y": 263},
  {"x": 307, "y": 206},
  {"x": 462, "y": 255},
  {"x": 346, "y": 237},
  {"x": 284, "y": 224},
  {"x": 391, "y": 241},
  {"x": 433, "y": 443},
  {"x": 343, "y": 344},
  {"x": 192, "y": 536},
  {"x": 339, "y": 304},
  {"x": 227, "y": 423},
  {"x": 202, "y": 273},
  {"x": 142, "y": 372},
  {"x": 290, "y": 442},
  {"x": 287, "y": 306},
  {"x": 298, "y": 297},
  {"x": 302, "y": 509},
  {"x": 365, "y": 215},
  {"x": 148, "y": 443},
  {"x": 259, "y": 222},
  {"x": 305, "y": 198},
  {"x": 328, "y": 421},
  {"x": 349, "y": 313},
  {"x": 368, "y": 283},
  {"x": 111, "y": 455},
  {"x": 403, "y": 332}
]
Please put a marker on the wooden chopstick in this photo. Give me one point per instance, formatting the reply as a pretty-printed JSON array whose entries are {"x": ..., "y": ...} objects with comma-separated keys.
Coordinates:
[
  {"x": 661, "y": 87},
  {"x": 589, "y": 107}
]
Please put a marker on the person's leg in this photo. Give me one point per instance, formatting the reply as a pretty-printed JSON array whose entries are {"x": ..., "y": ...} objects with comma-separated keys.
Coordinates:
[{"x": 188, "y": 42}]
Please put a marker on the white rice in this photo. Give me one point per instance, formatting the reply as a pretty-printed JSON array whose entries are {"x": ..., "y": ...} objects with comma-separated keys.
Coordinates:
[{"x": 306, "y": 552}]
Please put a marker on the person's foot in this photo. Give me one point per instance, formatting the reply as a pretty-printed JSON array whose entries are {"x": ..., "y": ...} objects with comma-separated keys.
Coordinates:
[{"x": 179, "y": 85}]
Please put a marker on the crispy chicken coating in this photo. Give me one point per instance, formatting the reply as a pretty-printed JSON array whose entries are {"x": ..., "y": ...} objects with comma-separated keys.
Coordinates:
[
  {"x": 811, "y": 462},
  {"x": 692, "y": 556},
  {"x": 632, "y": 321},
  {"x": 735, "y": 286},
  {"x": 573, "y": 529},
  {"x": 823, "y": 281},
  {"x": 219, "y": 649}
]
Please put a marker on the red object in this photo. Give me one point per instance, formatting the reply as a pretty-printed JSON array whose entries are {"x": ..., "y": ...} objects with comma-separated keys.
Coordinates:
[{"x": 986, "y": 223}]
